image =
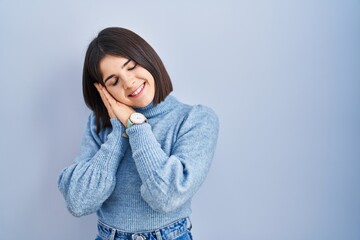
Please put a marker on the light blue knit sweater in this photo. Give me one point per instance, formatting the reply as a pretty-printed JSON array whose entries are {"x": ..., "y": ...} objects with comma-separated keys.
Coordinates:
[{"x": 146, "y": 181}]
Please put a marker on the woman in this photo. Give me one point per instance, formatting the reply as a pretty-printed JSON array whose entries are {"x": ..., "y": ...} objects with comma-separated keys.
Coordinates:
[{"x": 144, "y": 154}]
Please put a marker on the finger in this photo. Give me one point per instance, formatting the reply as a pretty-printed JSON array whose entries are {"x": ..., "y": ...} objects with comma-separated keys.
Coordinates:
[
  {"x": 103, "y": 98},
  {"x": 105, "y": 101},
  {"x": 107, "y": 104},
  {"x": 110, "y": 99}
]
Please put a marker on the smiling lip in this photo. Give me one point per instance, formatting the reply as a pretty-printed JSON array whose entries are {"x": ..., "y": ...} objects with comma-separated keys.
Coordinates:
[{"x": 138, "y": 91}]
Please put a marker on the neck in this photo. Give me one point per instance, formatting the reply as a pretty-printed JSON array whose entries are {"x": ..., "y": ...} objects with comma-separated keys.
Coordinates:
[{"x": 151, "y": 111}]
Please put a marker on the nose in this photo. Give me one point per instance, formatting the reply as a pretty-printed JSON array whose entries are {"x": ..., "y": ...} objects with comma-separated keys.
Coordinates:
[{"x": 128, "y": 82}]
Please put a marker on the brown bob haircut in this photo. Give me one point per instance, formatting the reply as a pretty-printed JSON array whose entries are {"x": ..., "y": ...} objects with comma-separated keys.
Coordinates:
[{"x": 122, "y": 42}]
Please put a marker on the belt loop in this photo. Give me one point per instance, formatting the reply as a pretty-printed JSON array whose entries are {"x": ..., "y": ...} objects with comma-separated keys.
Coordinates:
[
  {"x": 112, "y": 236},
  {"x": 190, "y": 227},
  {"x": 158, "y": 235}
]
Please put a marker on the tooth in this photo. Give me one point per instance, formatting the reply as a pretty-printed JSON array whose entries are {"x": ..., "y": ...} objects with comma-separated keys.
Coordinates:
[{"x": 138, "y": 90}]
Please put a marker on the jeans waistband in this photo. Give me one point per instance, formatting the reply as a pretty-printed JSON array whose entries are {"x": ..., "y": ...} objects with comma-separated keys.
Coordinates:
[{"x": 168, "y": 231}]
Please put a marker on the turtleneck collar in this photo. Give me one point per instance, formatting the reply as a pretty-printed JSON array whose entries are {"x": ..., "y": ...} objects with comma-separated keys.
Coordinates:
[{"x": 151, "y": 111}]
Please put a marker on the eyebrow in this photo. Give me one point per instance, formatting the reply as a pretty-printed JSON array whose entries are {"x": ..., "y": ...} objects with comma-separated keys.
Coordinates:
[{"x": 112, "y": 75}]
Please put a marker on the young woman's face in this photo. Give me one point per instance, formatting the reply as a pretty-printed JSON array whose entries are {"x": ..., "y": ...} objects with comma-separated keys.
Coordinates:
[{"x": 127, "y": 81}]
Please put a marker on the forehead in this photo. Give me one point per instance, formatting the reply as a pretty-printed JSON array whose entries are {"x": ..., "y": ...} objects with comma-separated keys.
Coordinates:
[{"x": 110, "y": 63}]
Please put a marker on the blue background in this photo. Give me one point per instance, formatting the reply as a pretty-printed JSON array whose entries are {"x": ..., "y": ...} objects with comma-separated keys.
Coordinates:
[{"x": 283, "y": 76}]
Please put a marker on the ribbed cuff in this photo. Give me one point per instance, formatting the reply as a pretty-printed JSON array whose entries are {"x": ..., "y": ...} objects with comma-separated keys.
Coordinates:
[
  {"x": 147, "y": 152},
  {"x": 117, "y": 125},
  {"x": 113, "y": 149}
]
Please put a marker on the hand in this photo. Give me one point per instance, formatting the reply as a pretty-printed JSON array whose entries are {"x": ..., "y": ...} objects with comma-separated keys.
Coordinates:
[{"x": 115, "y": 109}]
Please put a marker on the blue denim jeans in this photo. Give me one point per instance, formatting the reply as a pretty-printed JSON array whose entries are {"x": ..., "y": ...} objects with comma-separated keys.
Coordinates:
[{"x": 179, "y": 230}]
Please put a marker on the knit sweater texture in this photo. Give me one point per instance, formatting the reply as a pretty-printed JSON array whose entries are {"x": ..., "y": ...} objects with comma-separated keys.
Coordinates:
[{"x": 147, "y": 180}]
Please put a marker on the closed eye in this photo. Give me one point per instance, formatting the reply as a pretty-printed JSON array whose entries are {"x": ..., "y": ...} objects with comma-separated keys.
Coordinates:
[
  {"x": 133, "y": 67},
  {"x": 115, "y": 82}
]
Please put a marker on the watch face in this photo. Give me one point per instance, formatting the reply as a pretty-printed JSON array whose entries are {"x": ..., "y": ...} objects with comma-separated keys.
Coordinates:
[{"x": 137, "y": 118}]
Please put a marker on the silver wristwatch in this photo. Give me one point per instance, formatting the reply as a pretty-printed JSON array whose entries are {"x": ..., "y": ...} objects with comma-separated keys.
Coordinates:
[{"x": 135, "y": 118}]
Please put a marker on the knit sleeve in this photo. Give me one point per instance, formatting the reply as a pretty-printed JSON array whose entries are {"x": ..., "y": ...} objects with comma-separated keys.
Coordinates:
[
  {"x": 90, "y": 180},
  {"x": 170, "y": 181}
]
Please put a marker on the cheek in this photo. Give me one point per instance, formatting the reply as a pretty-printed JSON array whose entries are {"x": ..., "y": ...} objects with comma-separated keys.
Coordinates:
[
  {"x": 151, "y": 81},
  {"x": 117, "y": 94}
]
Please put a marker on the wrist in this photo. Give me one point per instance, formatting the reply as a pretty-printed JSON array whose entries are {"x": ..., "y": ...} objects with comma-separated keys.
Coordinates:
[{"x": 125, "y": 116}]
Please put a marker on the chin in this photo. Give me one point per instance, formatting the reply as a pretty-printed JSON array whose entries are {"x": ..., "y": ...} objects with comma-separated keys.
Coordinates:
[{"x": 141, "y": 104}]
